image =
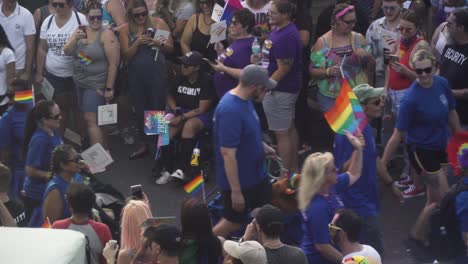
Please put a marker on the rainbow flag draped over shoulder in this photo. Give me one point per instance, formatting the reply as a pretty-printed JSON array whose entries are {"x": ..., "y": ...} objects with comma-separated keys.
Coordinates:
[
  {"x": 195, "y": 185},
  {"x": 24, "y": 96},
  {"x": 229, "y": 8},
  {"x": 346, "y": 113}
]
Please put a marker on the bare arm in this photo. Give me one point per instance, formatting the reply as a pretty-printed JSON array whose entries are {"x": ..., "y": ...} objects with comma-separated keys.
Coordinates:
[
  {"x": 52, "y": 206},
  {"x": 168, "y": 46},
  {"x": 5, "y": 216},
  {"x": 355, "y": 166},
  {"x": 187, "y": 35},
  {"x": 37, "y": 19},
  {"x": 231, "y": 168},
  {"x": 171, "y": 103},
  {"x": 392, "y": 145},
  {"x": 203, "y": 106},
  {"x": 329, "y": 252},
  {"x": 30, "y": 46},
  {"x": 127, "y": 51},
  {"x": 284, "y": 66},
  {"x": 36, "y": 173},
  {"x": 304, "y": 35},
  {"x": 112, "y": 51},
  {"x": 40, "y": 60},
  {"x": 70, "y": 46},
  {"x": 317, "y": 73},
  {"x": 117, "y": 11},
  {"x": 179, "y": 28},
  {"x": 10, "y": 74},
  {"x": 454, "y": 121}
]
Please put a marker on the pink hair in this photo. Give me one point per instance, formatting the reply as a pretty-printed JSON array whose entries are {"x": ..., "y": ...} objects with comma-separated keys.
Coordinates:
[{"x": 133, "y": 215}]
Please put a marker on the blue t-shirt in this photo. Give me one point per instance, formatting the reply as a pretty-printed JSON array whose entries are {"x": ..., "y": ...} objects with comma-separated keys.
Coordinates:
[
  {"x": 461, "y": 205},
  {"x": 285, "y": 44},
  {"x": 424, "y": 114},
  {"x": 363, "y": 195},
  {"x": 39, "y": 154},
  {"x": 12, "y": 134},
  {"x": 236, "y": 125},
  {"x": 61, "y": 184},
  {"x": 316, "y": 218}
]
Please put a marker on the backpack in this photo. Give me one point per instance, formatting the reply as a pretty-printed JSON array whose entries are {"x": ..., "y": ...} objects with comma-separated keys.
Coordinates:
[
  {"x": 445, "y": 235},
  {"x": 52, "y": 18}
]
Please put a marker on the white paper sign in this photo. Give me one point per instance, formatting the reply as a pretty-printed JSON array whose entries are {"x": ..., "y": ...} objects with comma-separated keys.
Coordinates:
[
  {"x": 107, "y": 114},
  {"x": 47, "y": 89},
  {"x": 407, "y": 4},
  {"x": 97, "y": 158},
  {"x": 217, "y": 13},
  {"x": 162, "y": 36},
  {"x": 218, "y": 32},
  {"x": 72, "y": 136}
]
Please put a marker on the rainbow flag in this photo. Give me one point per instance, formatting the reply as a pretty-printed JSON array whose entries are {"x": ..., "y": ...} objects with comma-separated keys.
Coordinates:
[
  {"x": 46, "y": 223},
  {"x": 229, "y": 8},
  {"x": 347, "y": 113},
  {"x": 86, "y": 60},
  {"x": 24, "y": 96},
  {"x": 195, "y": 185}
]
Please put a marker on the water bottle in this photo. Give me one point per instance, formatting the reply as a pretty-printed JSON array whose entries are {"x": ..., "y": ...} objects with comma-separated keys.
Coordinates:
[
  {"x": 195, "y": 155},
  {"x": 256, "y": 50}
]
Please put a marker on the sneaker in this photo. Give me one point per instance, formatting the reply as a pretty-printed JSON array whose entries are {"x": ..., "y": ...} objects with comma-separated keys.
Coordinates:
[
  {"x": 412, "y": 191},
  {"x": 179, "y": 174},
  {"x": 165, "y": 178},
  {"x": 404, "y": 182}
]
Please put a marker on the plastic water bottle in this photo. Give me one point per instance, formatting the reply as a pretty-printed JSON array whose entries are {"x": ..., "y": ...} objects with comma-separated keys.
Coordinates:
[
  {"x": 195, "y": 155},
  {"x": 256, "y": 50}
]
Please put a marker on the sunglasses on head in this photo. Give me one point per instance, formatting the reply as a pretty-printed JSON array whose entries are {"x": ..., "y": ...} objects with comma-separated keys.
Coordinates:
[
  {"x": 333, "y": 228},
  {"x": 142, "y": 14},
  {"x": 58, "y": 5},
  {"x": 405, "y": 29},
  {"x": 56, "y": 117},
  {"x": 98, "y": 18},
  {"x": 425, "y": 70}
]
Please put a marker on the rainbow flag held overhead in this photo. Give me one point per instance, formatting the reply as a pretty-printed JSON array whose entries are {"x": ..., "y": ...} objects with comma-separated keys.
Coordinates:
[
  {"x": 347, "y": 113},
  {"x": 24, "y": 96},
  {"x": 195, "y": 185},
  {"x": 229, "y": 8}
]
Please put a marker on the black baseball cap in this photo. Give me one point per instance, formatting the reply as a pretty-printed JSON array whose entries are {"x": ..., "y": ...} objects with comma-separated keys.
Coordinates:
[
  {"x": 191, "y": 58},
  {"x": 167, "y": 236},
  {"x": 268, "y": 217}
]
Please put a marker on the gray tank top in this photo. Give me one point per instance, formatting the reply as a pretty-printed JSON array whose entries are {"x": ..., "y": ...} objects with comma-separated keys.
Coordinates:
[{"x": 90, "y": 65}]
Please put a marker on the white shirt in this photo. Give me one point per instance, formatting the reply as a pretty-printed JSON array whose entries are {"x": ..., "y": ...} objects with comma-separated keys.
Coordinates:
[
  {"x": 367, "y": 251},
  {"x": 6, "y": 57},
  {"x": 17, "y": 26},
  {"x": 57, "y": 63}
]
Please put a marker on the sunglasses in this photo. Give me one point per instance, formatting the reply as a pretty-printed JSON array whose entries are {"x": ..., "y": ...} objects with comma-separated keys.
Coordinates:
[
  {"x": 377, "y": 102},
  {"x": 56, "y": 117},
  {"x": 425, "y": 70},
  {"x": 333, "y": 228},
  {"x": 93, "y": 18},
  {"x": 138, "y": 15},
  {"x": 405, "y": 29},
  {"x": 58, "y": 5},
  {"x": 77, "y": 159},
  {"x": 349, "y": 22}
]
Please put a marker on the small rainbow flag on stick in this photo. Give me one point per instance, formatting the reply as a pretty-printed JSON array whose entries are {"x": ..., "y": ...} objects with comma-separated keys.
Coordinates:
[
  {"x": 46, "y": 223},
  {"x": 195, "y": 185},
  {"x": 24, "y": 96},
  {"x": 347, "y": 113}
]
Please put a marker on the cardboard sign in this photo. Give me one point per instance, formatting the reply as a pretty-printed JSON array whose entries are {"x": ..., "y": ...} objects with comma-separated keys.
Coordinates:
[
  {"x": 107, "y": 114},
  {"x": 218, "y": 32}
]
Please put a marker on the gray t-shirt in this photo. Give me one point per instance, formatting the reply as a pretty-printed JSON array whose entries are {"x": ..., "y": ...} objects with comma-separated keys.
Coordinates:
[{"x": 285, "y": 254}]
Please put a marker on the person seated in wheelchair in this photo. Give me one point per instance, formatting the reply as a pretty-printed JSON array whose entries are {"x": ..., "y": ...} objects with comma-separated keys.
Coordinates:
[{"x": 191, "y": 95}]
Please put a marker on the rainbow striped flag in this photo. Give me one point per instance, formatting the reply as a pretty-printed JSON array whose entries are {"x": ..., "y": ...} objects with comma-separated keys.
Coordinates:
[
  {"x": 229, "y": 8},
  {"x": 195, "y": 185},
  {"x": 347, "y": 113},
  {"x": 86, "y": 60},
  {"x": 24, "y": 96}
]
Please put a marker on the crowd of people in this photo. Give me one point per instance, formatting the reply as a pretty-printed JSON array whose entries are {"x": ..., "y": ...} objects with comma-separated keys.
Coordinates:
[{"x": 258, "y": 95}]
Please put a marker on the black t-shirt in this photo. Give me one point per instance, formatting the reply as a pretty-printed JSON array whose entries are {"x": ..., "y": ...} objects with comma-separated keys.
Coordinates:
[
  {"x": 188, "y": 95},
  {"x": 454, "y": 67},
  {"x": 16, "y": 210}
]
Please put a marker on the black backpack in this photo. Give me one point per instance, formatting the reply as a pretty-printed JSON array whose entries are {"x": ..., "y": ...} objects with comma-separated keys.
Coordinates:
[{"x": 445, "y": 236}]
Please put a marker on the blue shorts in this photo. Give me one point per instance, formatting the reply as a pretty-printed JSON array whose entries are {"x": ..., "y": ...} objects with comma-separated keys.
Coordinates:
[
  {"x": 206, "y": 118},
  {"x": 89, "y": 100},
  {"x": 62, "y": 85}
]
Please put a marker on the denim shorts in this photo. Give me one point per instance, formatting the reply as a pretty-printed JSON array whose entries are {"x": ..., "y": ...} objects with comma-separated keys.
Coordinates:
[{"x": 89, "y": 100}]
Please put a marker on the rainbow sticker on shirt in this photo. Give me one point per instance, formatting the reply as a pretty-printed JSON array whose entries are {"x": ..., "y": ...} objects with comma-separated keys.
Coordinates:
[{"x": 86, "y": 60}]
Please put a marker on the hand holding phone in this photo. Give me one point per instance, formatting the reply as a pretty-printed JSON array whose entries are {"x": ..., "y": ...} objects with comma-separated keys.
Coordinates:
[
  {"x": 137, "y": 192},
  {"x": 83, "y": 29}
]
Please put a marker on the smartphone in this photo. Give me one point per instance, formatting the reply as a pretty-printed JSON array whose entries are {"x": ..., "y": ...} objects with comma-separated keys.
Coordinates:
[
  {"x": 149, "y": 32},
  {"x": 394, "y": 58},
  {"x": 137, "y": 191},
  {"x": 83, "y": 28},
  {"x": 112, "y": 243}
]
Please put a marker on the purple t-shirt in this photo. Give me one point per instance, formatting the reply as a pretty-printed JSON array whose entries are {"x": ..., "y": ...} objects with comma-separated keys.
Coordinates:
[
  {"x": 285, "y": 44},
  {"x": 237, "y": 55}
]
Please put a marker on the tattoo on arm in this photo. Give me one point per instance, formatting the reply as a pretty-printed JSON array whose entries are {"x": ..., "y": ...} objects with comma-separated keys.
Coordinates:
[{"x": 286, "y": 62}]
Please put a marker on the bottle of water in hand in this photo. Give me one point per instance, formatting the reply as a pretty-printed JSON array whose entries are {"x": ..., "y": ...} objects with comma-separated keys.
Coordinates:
[{"x": 256, "y": 52}]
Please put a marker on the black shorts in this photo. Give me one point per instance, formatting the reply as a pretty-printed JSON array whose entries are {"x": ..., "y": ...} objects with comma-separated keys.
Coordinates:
[
  {"x": 426, "y": 160},
  {"x": 254, "y": 197}
]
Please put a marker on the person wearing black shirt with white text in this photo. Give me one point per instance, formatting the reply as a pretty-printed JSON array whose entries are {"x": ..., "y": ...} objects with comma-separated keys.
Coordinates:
[{"x": 14, "y": 214}]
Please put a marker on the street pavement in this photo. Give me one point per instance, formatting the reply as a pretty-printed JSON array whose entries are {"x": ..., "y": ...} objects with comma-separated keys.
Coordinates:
[{"x": 396, "y": 219}]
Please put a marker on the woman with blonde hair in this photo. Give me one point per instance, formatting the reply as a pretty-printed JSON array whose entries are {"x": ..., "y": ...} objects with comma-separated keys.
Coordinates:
[
  {"x": 318, "y": 200},
  {"x": 133, "y": 215}
]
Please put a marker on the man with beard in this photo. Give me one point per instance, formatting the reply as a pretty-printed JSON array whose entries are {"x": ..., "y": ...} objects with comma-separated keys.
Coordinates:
[{"x": 239, "y": 150}]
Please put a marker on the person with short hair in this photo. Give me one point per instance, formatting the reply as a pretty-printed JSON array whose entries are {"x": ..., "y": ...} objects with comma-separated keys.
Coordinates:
[
  {"x": 11, "y": 211},
  {"x": 266, "y": 228},
  {"x": 345, "y": 230},
  {"x": 239, "y": 150},
  {"x": 164, "y": 242},
  {"x": 246, "y": 252},
  {"x": 80, "y": 199},
  {"x": 260, "y": 9}
]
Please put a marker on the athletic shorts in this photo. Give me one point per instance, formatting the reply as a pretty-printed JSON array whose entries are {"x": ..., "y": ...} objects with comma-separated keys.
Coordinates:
[
  {"x": 256, "y": 196},
  {"x": 89, "y": 100},
  {"x": 426, "y": 160},
  {"x": 62, "y": 85},
  {"x": 280, "y": 109}
]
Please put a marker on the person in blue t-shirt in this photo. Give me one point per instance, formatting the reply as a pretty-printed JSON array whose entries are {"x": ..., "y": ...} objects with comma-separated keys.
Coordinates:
[
  {"x": 239, "y": 150},
  {"x": 363, "y": 197},
  {"x": 427, "y": 110},
  {"x": 66, "y": 163},
  {"x": 41, "y": 136},
  {"x": 11, "y": 138},
  {"x": 318, "y": 200}
]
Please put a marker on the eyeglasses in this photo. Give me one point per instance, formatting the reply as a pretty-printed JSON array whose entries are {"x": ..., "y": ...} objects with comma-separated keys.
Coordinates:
[
  {"x": 425, "y": 70},
  {"x": 405, "y": 29},
  {"x": 333, "y": 228},
  {"x": 389, "y": 8},
  {"x": 58, "y": 5},
  {"x": 98, "y": 18},
  {"x": 56, "y": 117},
  {"x": 349, "y": 22},
  {"x": 138, "y": 15},
  {"x": 77, "y": 159}
]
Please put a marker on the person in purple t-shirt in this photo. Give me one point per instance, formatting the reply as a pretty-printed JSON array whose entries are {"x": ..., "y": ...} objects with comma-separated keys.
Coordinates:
[
  {"x": 234, "y": 58},
  {"x": 282, "y": 54}
]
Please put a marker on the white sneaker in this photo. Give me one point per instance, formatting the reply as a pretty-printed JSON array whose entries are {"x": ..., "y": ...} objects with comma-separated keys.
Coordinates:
[
  {"x": 165, "y": 178},
  {"x": 179, "y": 174}
]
